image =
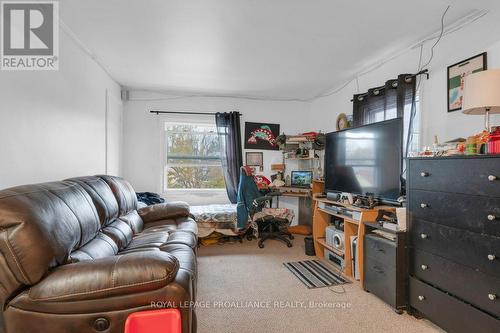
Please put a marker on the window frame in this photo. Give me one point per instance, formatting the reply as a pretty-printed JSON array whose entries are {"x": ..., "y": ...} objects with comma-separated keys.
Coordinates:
[{"x": 192, "y": 196}]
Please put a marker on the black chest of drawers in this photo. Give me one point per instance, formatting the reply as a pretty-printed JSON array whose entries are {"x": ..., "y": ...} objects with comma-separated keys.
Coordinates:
[{"x": 454, "y": 236}]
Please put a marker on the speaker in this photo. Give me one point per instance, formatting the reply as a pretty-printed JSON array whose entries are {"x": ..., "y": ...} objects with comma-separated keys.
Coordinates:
[{"x": 338, "y": 240}]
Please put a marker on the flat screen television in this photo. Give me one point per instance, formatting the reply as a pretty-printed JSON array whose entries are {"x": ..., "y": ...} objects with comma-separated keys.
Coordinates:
[{"x": 366, "y": 159}]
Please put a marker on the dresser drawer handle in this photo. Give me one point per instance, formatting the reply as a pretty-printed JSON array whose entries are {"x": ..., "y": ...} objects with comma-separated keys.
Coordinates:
[
  {"x": 491, "y": 217},
  {"x": 424, "y": 236},
  {"x": 421, "y": 298},
  {"x": 424, "y": 267},
  {"x": 378, "y": 270},
  {"x": 491, "y": 257},
  {"x": 492, "y": 178},
  {"x": 424, "y": 205},
  {"x": 424, "y": 174},
  {"x": 492, "y": 297}
]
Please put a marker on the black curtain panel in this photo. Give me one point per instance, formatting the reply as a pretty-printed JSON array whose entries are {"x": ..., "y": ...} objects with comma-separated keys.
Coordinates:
[
  {"x": 229, "y": 131},
  {"x": 406, "y": 100},
  {"x": 392, "y": 100},
  {"x": 395, "y": 99}
]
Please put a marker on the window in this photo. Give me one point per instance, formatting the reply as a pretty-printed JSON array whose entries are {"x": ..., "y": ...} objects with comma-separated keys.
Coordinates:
[
  {"x": 192, "y": 159},
  {"x": 415, "y": 139}
]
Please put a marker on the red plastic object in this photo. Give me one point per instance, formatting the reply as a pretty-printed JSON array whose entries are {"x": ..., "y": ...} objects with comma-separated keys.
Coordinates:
[
  {"x": 494, "y": 144},
  {"x": 154, "y": 321}
]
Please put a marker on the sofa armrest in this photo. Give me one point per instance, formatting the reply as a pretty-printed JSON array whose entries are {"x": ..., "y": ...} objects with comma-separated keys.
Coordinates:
[
  {"x": 164, "y": 211},
  {"x": 112, "y": 276}
]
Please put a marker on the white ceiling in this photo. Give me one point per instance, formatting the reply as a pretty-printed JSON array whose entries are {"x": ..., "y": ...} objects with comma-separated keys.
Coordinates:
[{"x": 259, "y": 48}]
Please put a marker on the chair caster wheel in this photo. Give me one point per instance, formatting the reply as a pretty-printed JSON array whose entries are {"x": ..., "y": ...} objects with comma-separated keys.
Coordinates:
[
  {"x": 261, "y": 246},
  {"x": 249, "y": 237},
  {"x": 289, "y": 244},
  {"x": 291, "y": 237}
]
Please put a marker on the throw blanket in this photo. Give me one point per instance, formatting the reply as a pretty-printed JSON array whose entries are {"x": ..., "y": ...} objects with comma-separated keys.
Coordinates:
[
  {"x": 215, "y": 218},
  {"x": 149, "y": 198}
]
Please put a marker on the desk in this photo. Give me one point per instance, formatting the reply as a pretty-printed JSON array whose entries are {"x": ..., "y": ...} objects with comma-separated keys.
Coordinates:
[{"x": 305, "y": 196}]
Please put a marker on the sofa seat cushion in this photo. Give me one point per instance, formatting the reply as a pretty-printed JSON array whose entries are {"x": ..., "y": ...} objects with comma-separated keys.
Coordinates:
[
  {"x": 180, "y": 223},
  {"x": 184, "y": 238},
  {"x": 113, "y": 276},
  {"x": 160, "y": 237},
  {"x": 153, "y": 239},
  {"x": 100, "y": 247}
]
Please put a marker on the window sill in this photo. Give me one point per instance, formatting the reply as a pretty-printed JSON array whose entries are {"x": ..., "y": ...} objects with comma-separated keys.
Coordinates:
[{"x": 197, "y": 196}]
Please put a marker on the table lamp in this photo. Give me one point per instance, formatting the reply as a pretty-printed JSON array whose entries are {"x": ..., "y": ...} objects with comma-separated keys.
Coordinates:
[{"x": 482, "y": 94}]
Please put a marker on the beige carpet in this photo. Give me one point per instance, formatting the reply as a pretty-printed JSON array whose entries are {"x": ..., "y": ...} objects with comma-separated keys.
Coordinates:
[{"x": 236, "y": 279}]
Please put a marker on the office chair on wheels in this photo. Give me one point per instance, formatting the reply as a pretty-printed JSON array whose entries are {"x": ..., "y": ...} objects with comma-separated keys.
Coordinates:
[{"x": 267, "y": 222}]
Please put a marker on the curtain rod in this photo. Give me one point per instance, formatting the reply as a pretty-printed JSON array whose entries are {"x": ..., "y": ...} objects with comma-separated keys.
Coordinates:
[
  {"x": 185, "y": 112},
  {"x": 422, "y": 72}
]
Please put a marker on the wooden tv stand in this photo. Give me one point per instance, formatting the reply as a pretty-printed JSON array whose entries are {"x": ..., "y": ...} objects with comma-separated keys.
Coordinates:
[{"x": 352, "y": 227}]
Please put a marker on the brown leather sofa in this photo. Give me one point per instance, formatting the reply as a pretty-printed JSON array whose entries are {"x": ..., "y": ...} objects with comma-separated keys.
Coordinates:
[{"x": 78, "y": 256}]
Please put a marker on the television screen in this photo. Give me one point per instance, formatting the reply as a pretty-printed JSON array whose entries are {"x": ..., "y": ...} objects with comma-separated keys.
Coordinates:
[{"x": 366, "y": 159}]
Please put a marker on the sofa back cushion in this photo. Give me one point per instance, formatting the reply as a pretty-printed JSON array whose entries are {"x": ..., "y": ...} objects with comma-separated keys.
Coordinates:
[
  {"x": 102, "y": 196},
  {"x": 120, "y": 232},
  {"x": 106, "y": 202},
  {"x": 40, "y": 225},
  {"x": 134, "y": 221},
  {"x": 124, "y": 194}
]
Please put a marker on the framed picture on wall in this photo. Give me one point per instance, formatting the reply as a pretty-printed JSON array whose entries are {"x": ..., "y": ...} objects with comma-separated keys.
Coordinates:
[
  {"x": 456, "y": 77},
  {"x": 255, "y": 159},
  {"x": 261, "y": 136}
]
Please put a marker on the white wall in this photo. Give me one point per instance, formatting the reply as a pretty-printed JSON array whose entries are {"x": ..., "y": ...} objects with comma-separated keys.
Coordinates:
[
  {"x": 473, "y": 39},
  {"x": 142, "y": 141},
  {"x": 143, "y": 151},
  {"x": 114, "y": 133},
  {"x": 53, "y": 124}
]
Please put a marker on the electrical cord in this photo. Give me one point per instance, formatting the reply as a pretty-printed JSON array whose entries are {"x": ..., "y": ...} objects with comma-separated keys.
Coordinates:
[
  {"x": 341, "y": 292},
  {"x": 438, "y": 39},
  {"x": 413, "y": 112},
  {"x": 339, "y": 272}
]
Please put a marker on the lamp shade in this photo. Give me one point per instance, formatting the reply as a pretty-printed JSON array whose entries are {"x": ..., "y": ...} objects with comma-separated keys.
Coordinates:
[{"x": 481, "y": 92}]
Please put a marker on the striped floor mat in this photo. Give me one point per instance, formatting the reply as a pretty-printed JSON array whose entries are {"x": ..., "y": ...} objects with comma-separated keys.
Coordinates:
[{"x": 315, "y": 274}]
